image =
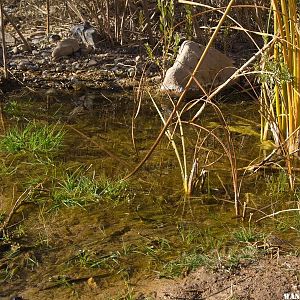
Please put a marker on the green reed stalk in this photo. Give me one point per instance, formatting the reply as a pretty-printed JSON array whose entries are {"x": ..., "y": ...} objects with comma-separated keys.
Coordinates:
[
  {"x": 280, "y": 91},
  {"x": 285, "y": 105}
]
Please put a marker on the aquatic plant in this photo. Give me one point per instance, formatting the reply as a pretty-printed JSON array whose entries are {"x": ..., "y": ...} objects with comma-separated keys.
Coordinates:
[
  {"x": 277, "y": 183},
  {"x": 188, "y": 176},
  {"x": 186, "y": 263},
  {"x": 88, "y": 259},
  {"x": 34, "y": 137},
  {"x": 78, "y": 188},
  {"x": 246, "y": 235}
]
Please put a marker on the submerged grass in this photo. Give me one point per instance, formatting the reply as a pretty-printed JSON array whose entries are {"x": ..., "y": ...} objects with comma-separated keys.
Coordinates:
[
  {"x": 34, "y": 137},
  {"x": 186, "y": 263},
  {"x": 78, "y": 188},
  {"x": 87, "y": 259}
]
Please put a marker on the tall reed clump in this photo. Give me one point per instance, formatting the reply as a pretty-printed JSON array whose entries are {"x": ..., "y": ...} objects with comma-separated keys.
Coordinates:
[{"x": 281, "y": 82}]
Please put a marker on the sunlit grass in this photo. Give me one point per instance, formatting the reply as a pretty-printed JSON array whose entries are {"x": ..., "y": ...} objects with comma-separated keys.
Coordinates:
[
  {"x": 78, "y": 188},
  {"x": 246, "y": 235},
  {"x": 186, "y": 263},
  {"x": 34, "y": 137},
  {"x": 277, "y": 183}
]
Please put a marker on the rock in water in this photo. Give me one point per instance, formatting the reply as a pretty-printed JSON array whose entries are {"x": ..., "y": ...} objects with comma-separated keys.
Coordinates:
[
  {"x": 65, "y": 47},
  {"x": 215, "y": 69}
]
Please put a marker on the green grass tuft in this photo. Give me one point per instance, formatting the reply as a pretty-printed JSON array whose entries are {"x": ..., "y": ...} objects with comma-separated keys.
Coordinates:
[
  {"x": 34, "y": 137},
  {"x": 79, "y": 189}
]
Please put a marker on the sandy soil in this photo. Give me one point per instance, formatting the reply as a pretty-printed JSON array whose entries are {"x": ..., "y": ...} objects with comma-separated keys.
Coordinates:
[{"x": 269, "y": 278}]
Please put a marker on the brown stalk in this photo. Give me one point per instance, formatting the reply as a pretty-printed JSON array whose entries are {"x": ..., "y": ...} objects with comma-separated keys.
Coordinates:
[
  {"x": 48, "y": 17},
  {"x": 4, "y": 50},
  {"x": 23, "y": 197},
  {"x": 28, "y": 47}
]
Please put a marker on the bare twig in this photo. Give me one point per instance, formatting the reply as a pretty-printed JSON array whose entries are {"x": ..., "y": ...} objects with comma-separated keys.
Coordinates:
[
  {"x": 27, "y": 45},
  {"x": 277, "y": 213},
  {"x": 4, "y": 51},
  {"x": 23, "y": 197}
]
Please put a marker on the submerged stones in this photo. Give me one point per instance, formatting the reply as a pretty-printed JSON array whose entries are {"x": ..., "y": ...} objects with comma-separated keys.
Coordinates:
[{"x": 215, "y": 69}]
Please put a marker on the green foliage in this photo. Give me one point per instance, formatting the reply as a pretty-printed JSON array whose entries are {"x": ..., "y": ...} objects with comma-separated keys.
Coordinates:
[
  {"x": 245, "y": 235},
  {"x": 184, "y": 264},
  {"x": 79, "y": 189},
  {"x": 34, "y": 137},
  {"x": 277, "y": 183},
  {"x": 6, "y": 169},
  {"x": 13, "y": 108},
  {"x": 274, "y": 72},
  {"x": 87, "y": 259},
  {"x": 238, "y": 257},
  {"x": 169, "y": 39},
  {"x": 189, "y": 21}
]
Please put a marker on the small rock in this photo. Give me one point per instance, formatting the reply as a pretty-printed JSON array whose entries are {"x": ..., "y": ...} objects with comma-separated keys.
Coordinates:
[
  {"x": 12, "y": 64},
  {"x": 119, "y": 72},
  {"x": 35, "y": 52},
  {"x": 131, "y": 72},
  {"x": 22, "y": 47},
  {"x": 88, "y": 103},
  {"x": 33, "y": 67},
  {"x": 92, "y": 63},
  {"x": 35, "y": 41},
  {"x": 15, "y": 50},
  {"x": 59, "y": 69},
  {"x": 23, "y": 66},
  {"x": 65, "y": 47},
  {"x": 45, "y": 54},
  {"x": 54, "y": 38},
  {"x": 76, "y": 66}
]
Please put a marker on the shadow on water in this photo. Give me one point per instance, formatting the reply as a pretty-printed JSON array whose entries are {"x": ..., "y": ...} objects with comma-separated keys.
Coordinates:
[{"x": 80, "y": 233}]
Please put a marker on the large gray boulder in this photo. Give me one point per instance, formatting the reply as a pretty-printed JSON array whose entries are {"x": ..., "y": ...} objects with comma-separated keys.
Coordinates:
[
  {"x": 86, "y": 34},
  {"x": 214, "y": 70}
]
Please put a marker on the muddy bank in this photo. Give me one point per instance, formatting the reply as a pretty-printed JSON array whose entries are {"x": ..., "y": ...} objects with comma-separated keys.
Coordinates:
[{"x": 268, "y": 278}]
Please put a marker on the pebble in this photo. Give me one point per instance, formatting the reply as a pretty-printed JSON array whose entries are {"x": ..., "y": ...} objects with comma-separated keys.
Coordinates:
[
  {"x": 35, "y": 41},
  {"x": 54, "y": 38},
  {"x": 15, "y": 50},
  {"x": 131, "y": 72},
  {"x": 92, "y": 63},
  {"x": 22, "y": 47},
  {"x": 45, "y": 54},
  {"x": 23, "y": 66},
  {"x": 35, "y": 52},
  {"x": 77, "y": 66},
  {"x": 59, "y": 69}
]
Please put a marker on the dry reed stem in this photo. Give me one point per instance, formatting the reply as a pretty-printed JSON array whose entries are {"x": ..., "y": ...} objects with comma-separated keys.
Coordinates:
[
  {"x": 183, "y": 94},
  {"x": 4, "y": 50},
  {"x": 277, "y": 213}
]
